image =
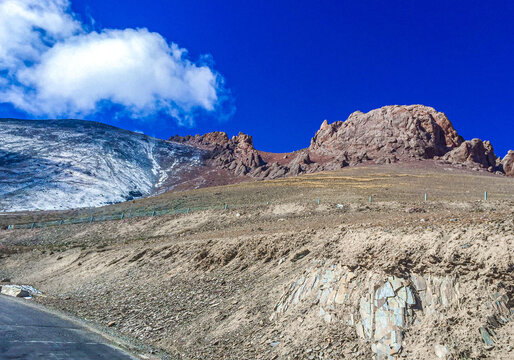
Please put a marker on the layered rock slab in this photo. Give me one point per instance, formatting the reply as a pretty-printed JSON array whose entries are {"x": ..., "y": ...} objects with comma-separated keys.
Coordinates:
[{"x": 382, "y": 309}]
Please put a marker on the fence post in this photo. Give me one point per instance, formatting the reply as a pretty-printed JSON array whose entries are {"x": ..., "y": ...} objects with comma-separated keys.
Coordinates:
[
  {"x": 370, "y": 199},
  {"x": 122, "y": 215},
  {"x": 188, "y": 210},
  {"x": 485, "y": 195},
  {"x": 32, "y": 227},
  {"x": 319, "y": 201},
  {"x": 153, "y": 213},
  {"x": 60, "y": 223},
  {"x": 425, "y": 196},
  {"x": 91, "y": 219},
  {"x": 226, "y": 206}
]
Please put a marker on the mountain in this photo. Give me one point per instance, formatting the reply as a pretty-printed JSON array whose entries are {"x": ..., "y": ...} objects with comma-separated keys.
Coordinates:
[
  {"x": 62, "y": 164},
  {"x": 387, "y": 135}
]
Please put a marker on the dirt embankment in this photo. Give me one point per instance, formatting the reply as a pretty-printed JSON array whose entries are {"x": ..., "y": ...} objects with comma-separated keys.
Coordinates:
[{"x": 289, "y": 280}]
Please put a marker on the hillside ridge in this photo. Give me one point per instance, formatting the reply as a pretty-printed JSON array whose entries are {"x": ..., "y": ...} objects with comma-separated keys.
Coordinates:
[
  {"x": 390, "y": 134},
  {"x": 69, "y": 163}
]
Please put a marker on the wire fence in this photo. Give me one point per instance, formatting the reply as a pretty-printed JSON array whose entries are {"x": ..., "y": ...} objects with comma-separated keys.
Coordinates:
[
  {"x": 138, "y": 213},
  {"x": 117, "y": 216}
]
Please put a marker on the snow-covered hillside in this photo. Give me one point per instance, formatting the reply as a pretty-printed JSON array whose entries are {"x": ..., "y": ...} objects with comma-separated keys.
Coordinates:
[{"x": 63, "y": 164}]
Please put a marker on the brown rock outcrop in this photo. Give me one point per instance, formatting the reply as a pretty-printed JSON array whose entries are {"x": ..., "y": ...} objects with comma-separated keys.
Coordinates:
[
  {"x": 386, "y": 135},
  {"x": 473, "y": 153},
  {"x": 236, "y": 154},
  {"x": 508, "y": 163},
  {"x": 209, "y": 140}
]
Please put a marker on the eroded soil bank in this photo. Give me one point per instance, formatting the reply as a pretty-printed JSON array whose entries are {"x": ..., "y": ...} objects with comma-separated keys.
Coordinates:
[{"x": 288, "y": 280}]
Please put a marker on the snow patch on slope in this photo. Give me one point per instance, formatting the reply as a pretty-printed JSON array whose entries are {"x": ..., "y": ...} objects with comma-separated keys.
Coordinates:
[{"x": 63, "y": 164}]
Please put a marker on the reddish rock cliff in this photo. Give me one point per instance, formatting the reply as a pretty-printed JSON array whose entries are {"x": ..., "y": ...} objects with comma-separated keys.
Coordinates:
[{"x": 386, "y": 135}]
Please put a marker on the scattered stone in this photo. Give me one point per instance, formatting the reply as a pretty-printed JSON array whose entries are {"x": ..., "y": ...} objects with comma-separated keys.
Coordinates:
[
  {"x": 111, "y": 323},
  {"x": 300, "y": 255},
  {"x": 487, "y": 337},
  {"x": 414, "y": 210},
  {"x": 501, "y": 315},
  {"x": 441, "y": 351},
  {"x": 14, "y": 290}
]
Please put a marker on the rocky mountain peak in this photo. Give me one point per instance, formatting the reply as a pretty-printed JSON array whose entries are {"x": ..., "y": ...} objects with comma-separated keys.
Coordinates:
[
  {"x": 391, "y": 132},
  {"x": 385, "y": 135},
  {"x": 236, "y": 154},
  {"x": 216, "y": 139},
  {"x": 243, "y": 141}
]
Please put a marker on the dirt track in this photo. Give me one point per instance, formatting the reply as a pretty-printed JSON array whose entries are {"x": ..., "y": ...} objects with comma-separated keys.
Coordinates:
[{"x": 207, "y": 285}]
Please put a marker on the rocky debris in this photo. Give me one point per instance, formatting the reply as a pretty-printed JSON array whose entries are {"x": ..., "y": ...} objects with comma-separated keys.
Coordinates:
[
  {"x": 14, "y": 291},
  {"x": 19, "y": 290},
  {"x": 508, "y": 163},
  {"x": 300, "y": 255},
  {"x": 328, "y": 286},
  {"x": 386, "y": 135},
  {"x": 441, "y": 351},
  {"x": 388, "y": 312},
  {"x": 473, "y": 153},
  {"x": 384, "y": 313},
  {"x": 501, "y": 314}
]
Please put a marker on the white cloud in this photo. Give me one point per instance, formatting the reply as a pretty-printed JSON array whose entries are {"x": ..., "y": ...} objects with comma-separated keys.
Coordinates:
[
  {"x": 54, "y": 67},
  {"x": 30, "y": 27}
]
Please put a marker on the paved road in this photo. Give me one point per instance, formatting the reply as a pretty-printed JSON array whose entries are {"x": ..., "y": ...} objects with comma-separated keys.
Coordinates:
[{"x": 29, "y": 333}]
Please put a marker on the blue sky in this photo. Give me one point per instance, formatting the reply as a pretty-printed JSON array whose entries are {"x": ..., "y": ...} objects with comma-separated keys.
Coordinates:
[{"x": 282, "y": 67}]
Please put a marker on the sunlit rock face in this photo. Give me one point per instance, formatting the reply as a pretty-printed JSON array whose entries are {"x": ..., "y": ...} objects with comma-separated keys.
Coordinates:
[
  {"x": 508, "y": 163},
  {"x": 388, "y": 134}
]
